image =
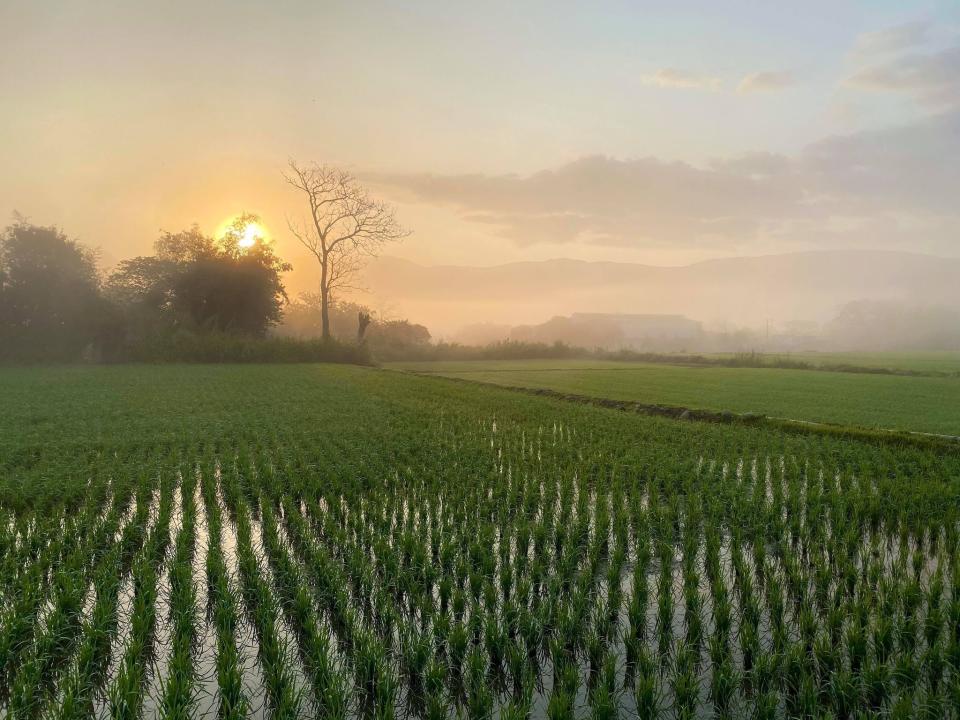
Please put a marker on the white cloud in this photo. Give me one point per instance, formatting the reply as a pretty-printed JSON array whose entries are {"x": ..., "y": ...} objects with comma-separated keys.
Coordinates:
[
  {"x": 671, "y": 77},
  {"x": 766, "y": 81},
  {"x": 932, "y": 78},
  {"x": 893, "y": 39}
]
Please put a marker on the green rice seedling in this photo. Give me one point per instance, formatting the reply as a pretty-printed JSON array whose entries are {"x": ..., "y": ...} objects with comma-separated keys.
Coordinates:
[
  {"x": 604, "y": 705},
  {"x": 560, "y": 705},
  {"x": 904, "y": 708},
  {"x": 457, "y": 642},
  {"x": 692, "y": 614},
  {"x": 515, "y": 710},
  {"x": 808, "y": 623},
  {"x": 596, "y": 651},
  {"x": 684, "y": 682},
  {"x": 52, "y": 649},
  {"x": 665, "y": 609},
  {"x": 518, "y": 666},
  {"x": 856, "y": 639},
  {"x": 605, "y": 695},
  {"x": 724, "y": 681},
  {"x": 324, "y": 578},
  {"x": 604, "y": 623},
  {"x": 459, "y": 605},
  {"x": 415, "y": 649},
  {"x": 496, "y": 640},
  {"x": 646, "y": 690},
  {"x": 906, "y": 673},
  {"x": 877, "y": 685},
  {"x": 749, "y": 649},
  {"x": 566, "y": 675},
  {"x": 126, "y": 693},
  {"x": 479, "y": 696},
  {"x": 765, "y": 707},
  {"x": 370, "y": 671},
  {"x": 842, "y": 692},
  {"x": 806, "y": 702},
  {"x": 934, "y": 664},
  {"x": 827, "y": 659},
  {"x": 386, "y": 694},
  {"x": 79, "y": 685},
  {"x": 434, "y": 686}
]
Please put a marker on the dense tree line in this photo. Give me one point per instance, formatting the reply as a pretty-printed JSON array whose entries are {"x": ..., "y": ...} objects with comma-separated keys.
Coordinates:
[
  {"x": 195, "y": 298},
  {"x": 55, "y": 306}
]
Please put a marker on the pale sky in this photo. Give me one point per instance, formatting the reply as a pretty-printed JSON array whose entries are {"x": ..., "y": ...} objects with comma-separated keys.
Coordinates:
[{"x": 635, "y": 131}]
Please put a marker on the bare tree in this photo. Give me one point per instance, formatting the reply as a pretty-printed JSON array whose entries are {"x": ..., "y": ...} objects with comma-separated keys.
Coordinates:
[{"x": 345, "y": 226}]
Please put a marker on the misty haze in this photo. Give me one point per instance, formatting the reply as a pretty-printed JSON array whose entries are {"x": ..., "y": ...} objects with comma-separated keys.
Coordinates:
[{"x": 840, "y": 300}]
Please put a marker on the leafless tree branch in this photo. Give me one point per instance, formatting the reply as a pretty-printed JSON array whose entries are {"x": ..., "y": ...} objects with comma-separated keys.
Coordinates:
[{"x": 345, "y": 225}]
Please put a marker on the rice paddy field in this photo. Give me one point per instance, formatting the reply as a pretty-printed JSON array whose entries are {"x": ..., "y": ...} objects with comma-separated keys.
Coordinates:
[
  {"x": 895, "y": 402},
  {"x": 340, "y": 542}
]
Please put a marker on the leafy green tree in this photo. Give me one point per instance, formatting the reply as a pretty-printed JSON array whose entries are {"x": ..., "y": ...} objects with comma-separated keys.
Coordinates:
[
  {"x": 50, "y": 304},
  {"x": 198, "y": 283}
]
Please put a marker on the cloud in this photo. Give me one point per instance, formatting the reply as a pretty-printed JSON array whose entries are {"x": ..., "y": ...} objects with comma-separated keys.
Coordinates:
[
  {"x": 887, "y": 188},
  {"x": 904, "y": 169},
  {"x": 932, "y": 78},
  {"x": 602, "y": 200},
  {"x": 671, "y": 77},
  {"x": 766, "y": 81},
  {"x": 893, "y": 39}
]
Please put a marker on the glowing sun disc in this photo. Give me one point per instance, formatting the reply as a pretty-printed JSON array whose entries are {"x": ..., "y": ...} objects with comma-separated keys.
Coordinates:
[{"x": 251, "y": 233}]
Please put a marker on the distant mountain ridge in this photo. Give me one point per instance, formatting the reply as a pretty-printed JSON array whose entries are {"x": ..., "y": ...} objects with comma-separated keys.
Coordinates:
[{"x": 747, "y": 291}]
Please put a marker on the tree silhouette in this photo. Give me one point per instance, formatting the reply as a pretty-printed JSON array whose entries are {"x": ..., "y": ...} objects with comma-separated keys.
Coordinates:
[
  {"x": 50, "y": 307},
  {"x": 345, "y": 225},
  {"x": 202, "y": 283}
]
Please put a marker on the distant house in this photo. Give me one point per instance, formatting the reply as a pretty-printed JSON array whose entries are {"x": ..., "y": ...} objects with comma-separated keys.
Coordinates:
[
  {"x": 614, "y": 331},
  {"x": 640, "y": 330}
]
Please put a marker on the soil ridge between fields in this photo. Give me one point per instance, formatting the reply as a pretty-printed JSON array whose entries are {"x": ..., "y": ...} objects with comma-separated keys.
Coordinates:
[{"x": 678, "y": 412}]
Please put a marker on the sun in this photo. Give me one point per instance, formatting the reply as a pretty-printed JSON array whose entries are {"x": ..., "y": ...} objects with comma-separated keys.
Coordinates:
[
  {"x": 252, "y": 232},
  {"x": 245, "y": 230}
]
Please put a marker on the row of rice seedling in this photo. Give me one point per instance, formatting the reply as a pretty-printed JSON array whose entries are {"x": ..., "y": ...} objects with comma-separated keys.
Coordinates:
[
  {"x": 125, "y": 694},
  {"x": 222, "y": 611},
  {"x": 281, "y": 692},
  {"x": 178, "y": 687}
]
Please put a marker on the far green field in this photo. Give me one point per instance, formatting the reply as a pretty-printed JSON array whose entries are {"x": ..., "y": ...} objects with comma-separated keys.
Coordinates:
[
  {"x": 923, "y": 404},
  {"x": 939, "y": 361}
]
